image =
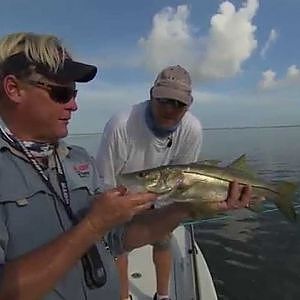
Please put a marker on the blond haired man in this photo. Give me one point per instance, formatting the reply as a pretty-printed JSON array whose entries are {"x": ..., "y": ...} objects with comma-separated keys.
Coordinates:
[{"x": 57, "y": 237}]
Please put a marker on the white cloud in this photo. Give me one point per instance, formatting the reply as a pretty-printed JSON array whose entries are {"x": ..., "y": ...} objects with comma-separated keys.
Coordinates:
[
  {"x": 293, "y": 73},
  {"x": 270, "y": 81},
  {"x": 170, "y": 39},
  {"x": 271, "y": 39},
  {"x": 230, "y": 41}
]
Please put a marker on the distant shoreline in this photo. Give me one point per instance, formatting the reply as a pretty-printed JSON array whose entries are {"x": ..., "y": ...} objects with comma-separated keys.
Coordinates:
[
  {"x": 252, "y": 127},
  {"x": 212, "y": 128}
]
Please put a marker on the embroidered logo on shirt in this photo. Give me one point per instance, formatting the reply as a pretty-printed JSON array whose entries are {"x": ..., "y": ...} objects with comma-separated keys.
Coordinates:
[
  {"x": 22, "y": 202},
  {"x": 83, "y": 169}
]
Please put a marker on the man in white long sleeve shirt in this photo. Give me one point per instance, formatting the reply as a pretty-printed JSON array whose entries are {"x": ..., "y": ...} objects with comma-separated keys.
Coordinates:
[{"x": 157, "y": 132}]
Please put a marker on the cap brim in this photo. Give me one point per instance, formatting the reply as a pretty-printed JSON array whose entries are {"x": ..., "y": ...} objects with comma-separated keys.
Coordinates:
[
  {"x": 169, "y": 93},
  {"x": 70, "y": 71},
  {"x": 76, "y": 71}
]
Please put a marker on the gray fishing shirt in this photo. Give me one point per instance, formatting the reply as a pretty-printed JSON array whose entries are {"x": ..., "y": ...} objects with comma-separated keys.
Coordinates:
[{"x": 29, "y": 216}]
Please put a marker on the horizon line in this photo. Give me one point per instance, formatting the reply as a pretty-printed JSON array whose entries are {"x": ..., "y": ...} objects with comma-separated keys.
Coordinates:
[{"x": 213, "y": 128}]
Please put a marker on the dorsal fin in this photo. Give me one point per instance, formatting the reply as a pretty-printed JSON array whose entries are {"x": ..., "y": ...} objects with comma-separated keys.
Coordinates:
[{"x": 240, "y": 164}]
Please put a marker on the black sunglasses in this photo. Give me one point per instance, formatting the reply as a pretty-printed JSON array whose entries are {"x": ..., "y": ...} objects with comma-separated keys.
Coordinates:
[
  {"x": 172, "y": 102},
  {"x": 60, "y": 94}
]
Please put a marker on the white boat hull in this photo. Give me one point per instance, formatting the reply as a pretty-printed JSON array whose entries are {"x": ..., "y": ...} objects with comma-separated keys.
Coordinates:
[{"x": 190, "y": 279}]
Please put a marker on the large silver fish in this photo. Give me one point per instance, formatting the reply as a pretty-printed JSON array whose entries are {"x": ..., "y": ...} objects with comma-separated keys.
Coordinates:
[{"x": 204, "y": 184}]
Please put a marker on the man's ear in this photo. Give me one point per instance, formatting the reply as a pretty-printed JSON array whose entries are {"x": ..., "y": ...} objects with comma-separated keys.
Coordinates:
[
  {"x": 12, "y": 89},
  {"x": 151, "y": 93}
]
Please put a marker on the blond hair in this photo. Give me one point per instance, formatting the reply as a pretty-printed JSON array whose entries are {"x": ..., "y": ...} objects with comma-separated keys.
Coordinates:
[{"x": 38, "y": 48}]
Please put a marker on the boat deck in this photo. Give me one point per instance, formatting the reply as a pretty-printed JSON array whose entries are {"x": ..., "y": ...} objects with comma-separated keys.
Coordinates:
[{"x": 190, "y": 279}]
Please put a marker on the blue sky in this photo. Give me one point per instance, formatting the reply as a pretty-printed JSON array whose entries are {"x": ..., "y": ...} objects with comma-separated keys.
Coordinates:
[{"x": 243, "y": 55}]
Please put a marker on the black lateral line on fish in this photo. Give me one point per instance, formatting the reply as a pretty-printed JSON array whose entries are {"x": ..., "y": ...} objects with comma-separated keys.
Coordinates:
[{"x": 227, "y": 180}]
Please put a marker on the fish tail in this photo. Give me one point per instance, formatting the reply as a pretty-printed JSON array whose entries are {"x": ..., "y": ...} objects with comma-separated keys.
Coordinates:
[{"x": 284, "y": 201}]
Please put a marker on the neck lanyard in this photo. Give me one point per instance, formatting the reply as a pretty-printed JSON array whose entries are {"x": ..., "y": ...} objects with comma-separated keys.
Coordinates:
[
  {"x": 61, "y": 178},
  {"x": 94, "y": 271}
]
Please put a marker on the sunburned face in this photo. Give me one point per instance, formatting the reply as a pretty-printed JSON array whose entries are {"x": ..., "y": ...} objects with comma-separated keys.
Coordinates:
[
  {"x": 46, "y": 108},
  {"x": 167, "y": 112}
]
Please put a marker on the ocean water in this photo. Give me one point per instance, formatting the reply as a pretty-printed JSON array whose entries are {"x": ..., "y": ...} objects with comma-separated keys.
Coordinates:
[{"x": 251, "y": 256}]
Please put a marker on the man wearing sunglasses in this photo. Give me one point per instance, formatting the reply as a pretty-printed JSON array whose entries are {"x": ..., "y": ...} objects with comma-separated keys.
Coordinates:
[
  {"x": 58, "y": 233},
  {"x": 156, "y": 132}
]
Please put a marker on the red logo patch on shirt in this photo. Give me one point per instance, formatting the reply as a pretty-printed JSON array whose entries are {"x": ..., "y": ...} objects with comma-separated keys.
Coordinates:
[{"x": 82, "y": 169}]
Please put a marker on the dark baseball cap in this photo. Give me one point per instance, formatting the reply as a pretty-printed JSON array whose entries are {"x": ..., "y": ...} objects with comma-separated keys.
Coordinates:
[{"x": 70, "y": 70}]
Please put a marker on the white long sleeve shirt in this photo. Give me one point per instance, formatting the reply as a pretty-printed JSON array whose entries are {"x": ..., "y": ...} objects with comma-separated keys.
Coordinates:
[{"x": 128, "y": 145}]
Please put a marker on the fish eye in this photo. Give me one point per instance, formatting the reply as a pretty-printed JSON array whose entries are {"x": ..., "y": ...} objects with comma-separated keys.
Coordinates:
[{"x": 142, "y": 174}]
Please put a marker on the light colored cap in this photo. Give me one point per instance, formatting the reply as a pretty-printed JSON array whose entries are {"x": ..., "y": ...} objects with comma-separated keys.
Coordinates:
[{"x": 173, "y": 82}]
